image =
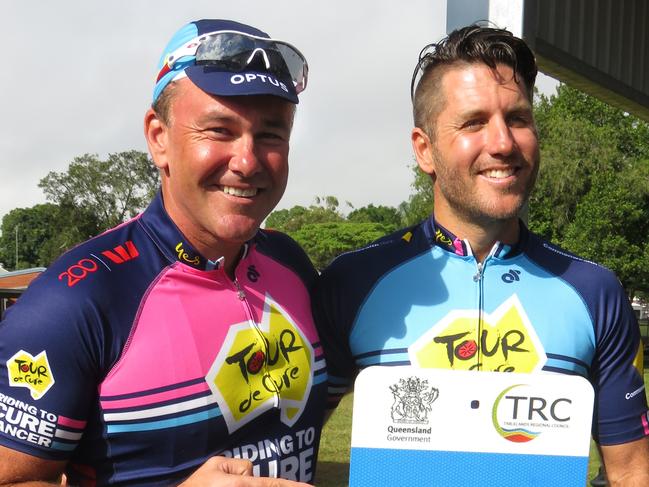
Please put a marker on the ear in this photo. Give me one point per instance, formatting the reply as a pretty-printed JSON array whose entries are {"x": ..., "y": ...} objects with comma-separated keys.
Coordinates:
[
  {"x": 156, "y": 134},
  {"x": 423, "y": 148}
]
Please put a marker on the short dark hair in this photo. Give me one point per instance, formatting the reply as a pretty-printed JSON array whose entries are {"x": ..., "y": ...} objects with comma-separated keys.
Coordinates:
[
  {"x": 162, "y": 105},
  {"x": 468, "y": 45}
]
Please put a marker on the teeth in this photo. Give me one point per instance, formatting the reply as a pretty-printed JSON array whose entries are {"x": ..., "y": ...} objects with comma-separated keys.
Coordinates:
[
  {"x": 245, "y": 193},
  {"x": 499, "y": 173}
]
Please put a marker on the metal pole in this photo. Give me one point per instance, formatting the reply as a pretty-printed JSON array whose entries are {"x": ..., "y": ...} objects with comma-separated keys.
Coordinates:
[{"x": 16, "y": 263}]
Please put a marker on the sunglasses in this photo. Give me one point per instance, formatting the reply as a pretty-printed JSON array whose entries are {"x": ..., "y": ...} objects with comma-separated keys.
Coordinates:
[
  {"x": 426, "y": 57},
  {"x": 234, "y": 51}
]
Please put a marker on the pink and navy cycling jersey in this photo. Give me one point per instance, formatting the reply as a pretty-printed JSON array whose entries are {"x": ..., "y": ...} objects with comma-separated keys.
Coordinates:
[{"x": 136, "y": 359}]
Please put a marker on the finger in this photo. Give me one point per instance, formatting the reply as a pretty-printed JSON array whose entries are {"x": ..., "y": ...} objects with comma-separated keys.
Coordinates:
[
  {"x": 268, "y": 482},
  {"x": 232, "y": 466}
]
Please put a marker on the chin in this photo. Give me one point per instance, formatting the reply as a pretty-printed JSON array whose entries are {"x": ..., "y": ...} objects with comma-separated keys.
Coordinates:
[{"x": 238, "y": 229}]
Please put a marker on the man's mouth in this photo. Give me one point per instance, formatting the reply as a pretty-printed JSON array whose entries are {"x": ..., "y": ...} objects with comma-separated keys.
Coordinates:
[
  {"x": 241, "y": 192},
  {"x": 499, "y": 173}
]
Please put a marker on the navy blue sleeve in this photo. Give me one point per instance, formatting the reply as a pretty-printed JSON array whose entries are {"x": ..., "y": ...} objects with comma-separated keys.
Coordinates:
[{"x": 49, "y": 363}]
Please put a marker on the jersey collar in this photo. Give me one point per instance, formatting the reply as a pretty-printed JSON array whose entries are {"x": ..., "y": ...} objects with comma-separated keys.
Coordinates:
[
  {"x": 441, "y": 237},
  {"x": 170, "y": 240}
]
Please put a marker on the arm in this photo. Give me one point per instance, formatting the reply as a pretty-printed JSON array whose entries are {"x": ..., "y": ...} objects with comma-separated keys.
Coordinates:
[
  {"x": 26, "y": 470},
  {"x": 627, "y": 465},
  {"x": 233, "y": 472}
]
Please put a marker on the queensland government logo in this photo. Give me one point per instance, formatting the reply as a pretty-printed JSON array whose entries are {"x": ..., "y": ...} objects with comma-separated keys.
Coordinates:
[
  {"x": 261, "y": 366},
  {"x": 32, "y": 372},
  {"x": 412, "y": 400},
  {"x": 520, "y": 414}
]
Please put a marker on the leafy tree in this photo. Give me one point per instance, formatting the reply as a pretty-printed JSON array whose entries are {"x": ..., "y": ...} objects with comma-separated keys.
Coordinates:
[
  {"x": 591, "y": 196},
  {"x": 387, "y": 216},
  {"x": 113, "y": 190},
  {"x": 420, "y": 203},
  {"x": 579, "y": 136},
  {"x": 611, "y": 226},
  {"x": 43, "y": 233},
  {"x": 324, "y": 232},
  {"x": 324, "y": 241}
]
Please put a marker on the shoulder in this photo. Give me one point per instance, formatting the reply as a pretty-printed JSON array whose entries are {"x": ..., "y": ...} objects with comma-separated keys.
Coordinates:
[
  {"x": 110, "y": 271},
  {"x": 592, "y": 280},
  {"x": 363, "y": 266},
  {"x": 286, "y": 251}
]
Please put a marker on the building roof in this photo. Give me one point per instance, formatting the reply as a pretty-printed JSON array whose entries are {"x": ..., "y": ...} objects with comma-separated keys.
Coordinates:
[{"x": 19, "y": 279}]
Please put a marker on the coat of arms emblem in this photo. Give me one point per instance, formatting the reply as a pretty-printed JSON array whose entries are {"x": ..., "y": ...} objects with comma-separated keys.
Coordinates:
[{"x": 412, "y": 400}]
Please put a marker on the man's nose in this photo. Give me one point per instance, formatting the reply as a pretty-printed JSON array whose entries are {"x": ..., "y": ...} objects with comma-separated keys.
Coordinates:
[
  {"x": 244, "y": 160},
  {"x": 500, "y": 140}
]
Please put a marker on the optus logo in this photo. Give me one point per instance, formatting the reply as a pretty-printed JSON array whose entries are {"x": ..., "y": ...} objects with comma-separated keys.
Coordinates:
[{"x": 520, "y": 416}]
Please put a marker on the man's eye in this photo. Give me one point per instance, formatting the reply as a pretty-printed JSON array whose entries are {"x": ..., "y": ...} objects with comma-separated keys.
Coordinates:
[
  {"x": 473, "y": 124},
  {"x": 519, "y": 121},
  {"x": 218, "y": 130},
  {"x": 271, "y": 136}
]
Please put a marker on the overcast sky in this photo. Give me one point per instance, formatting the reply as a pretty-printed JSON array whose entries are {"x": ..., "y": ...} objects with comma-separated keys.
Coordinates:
[{"x": 78, "y": 77}]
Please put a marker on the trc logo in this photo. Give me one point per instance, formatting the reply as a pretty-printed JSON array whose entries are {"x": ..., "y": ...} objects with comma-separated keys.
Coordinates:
[{"x": 511, "y": 276}]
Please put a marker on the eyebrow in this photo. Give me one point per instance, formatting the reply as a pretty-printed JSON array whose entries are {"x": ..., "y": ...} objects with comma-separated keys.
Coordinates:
[
  {"x": 519, "y": 108},
  {"x": 266, "y": 122}
]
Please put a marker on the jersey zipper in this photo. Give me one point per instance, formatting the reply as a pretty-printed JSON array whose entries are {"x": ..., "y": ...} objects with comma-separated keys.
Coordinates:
[
  {"x": 241, "y": 294},
  {"x": 478, "y": 278}
]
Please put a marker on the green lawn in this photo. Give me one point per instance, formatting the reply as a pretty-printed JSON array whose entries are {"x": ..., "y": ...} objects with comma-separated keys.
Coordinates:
[{"x": 333, "y": 462}]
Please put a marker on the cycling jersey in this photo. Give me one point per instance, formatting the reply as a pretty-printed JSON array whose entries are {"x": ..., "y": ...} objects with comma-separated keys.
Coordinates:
[
  {"x": 419, "y": 297},
  {"x": 136, "y": 359}
]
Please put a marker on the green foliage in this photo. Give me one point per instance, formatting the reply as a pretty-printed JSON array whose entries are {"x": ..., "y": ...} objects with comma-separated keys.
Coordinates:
[
  {"x": 113, "y": 190},
  {"x": 295, "y": 218},
  {"x": 323, "y": 231},
  {"x": 324, "y": 241},
  {"x": 420, "y": 203},
  {"x": 592, "y": 193},
  {"x": 43, "y": 232},
  {"x": 611, "y": 226},
  {"x": 387, "y": 216}
]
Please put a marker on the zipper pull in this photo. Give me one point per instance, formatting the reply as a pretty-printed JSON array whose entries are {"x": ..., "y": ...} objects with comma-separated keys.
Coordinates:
[
  {"x": 240, "y": 292},
  {"x": 478, "y": 274}
]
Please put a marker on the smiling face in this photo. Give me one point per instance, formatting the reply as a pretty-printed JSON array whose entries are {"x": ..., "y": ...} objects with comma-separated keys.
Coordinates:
[
  {"x": 224, "y": 164},
  {"x": 484, "y": 154}
]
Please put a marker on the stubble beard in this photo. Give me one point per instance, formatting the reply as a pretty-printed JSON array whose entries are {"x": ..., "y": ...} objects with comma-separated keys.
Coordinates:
[{"x": 474, "y": 208}]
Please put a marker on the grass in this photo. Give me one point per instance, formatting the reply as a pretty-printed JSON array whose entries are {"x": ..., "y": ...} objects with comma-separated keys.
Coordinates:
[{"x": 333, "y": 461}]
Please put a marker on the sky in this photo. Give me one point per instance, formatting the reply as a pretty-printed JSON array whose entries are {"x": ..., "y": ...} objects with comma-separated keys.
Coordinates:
[{"x": 78, "y": 77}]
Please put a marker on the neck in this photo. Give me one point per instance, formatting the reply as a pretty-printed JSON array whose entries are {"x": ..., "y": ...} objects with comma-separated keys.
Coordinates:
[{"x": 482, "y": 236}]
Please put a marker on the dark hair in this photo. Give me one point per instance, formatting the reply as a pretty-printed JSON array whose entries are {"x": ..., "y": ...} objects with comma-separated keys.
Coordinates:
[
  {"x": 468, "y": 45},
  {"x": 162, "y": 105}
]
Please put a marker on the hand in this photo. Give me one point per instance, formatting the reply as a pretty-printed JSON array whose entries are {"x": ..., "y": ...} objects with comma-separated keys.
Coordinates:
[{"x": 233, "y": 472}]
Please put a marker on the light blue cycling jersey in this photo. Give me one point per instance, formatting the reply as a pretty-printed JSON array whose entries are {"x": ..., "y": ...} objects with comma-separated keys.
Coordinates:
[{"x": 420, "y": 297}]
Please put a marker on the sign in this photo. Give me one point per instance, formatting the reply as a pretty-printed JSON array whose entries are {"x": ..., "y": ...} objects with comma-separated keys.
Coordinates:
[{"x": 414, "y": 426}]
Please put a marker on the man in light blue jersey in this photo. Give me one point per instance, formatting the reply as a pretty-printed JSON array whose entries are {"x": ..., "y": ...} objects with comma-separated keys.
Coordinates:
[{"x": 471, "y": 288}]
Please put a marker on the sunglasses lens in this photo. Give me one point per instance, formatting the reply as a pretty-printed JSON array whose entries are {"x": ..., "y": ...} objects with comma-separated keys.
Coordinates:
[{"x": 231, "y": 51}]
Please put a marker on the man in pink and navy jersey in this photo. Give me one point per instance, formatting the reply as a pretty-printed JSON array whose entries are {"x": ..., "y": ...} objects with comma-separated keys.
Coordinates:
[{"x": 179, "y": 347}]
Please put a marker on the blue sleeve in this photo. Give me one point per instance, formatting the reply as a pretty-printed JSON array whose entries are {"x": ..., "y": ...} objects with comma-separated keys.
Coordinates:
[
  {"x": 620, "y": 401},
  {"x": 48, "y": 366},
  {"x": 334, "y": 326}
]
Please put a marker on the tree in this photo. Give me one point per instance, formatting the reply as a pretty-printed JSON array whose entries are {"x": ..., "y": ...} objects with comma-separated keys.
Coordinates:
[
  {"x": 292, "y": 219},
  {"x": 38, "y": 235},
  {"x": 324, "y": 241},
  {"x": 323, "y": 231},
  {"x": 113, "y": 190},
  {"x": 611, "y": 226},
  {"x": 592, "y": 193},
  {"x": 420, "y": 203},
  {"x": 579, "y": 136},
  {"x": 387, "y": 216}
]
